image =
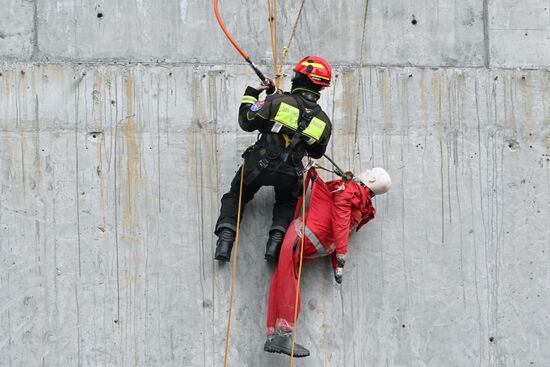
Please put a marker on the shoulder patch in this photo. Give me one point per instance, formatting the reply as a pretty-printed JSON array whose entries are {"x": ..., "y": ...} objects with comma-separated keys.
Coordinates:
[{"x": 257, "y": 106}]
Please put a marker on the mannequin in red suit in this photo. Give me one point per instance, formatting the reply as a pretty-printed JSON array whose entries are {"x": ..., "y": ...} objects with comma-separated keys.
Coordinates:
[{"x": 335, "y": 209}]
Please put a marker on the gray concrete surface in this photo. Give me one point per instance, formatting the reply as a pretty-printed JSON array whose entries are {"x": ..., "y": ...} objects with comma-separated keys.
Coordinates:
[{"x": 112, "y": 165}]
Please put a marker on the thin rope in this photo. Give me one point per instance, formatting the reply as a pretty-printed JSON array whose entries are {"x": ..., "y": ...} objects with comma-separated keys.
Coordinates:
[
  {"x": 275, "y": 32},
  {"x": 360, "y": 85},
  {"x": 279, "y": 73},
  {"x": 272, "y": 13},
  {"x": 300, "y": 266},
  {"x": 234, "y": 269},
  {"x": 326, "y": 169}
]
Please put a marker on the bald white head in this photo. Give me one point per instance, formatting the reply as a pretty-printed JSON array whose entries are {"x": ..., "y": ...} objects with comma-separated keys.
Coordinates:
[{"x": 377, "y": 179}]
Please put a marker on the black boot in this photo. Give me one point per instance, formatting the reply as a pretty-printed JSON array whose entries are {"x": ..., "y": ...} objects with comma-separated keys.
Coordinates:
[
  {"x": 281, "y": 342},
  {"x": 226, "y": 237},
  {"x": 273, "y": 246}
]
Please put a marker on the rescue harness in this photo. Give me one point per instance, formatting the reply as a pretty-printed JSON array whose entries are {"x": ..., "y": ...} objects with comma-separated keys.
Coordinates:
[{"x": 306, "y": 115}]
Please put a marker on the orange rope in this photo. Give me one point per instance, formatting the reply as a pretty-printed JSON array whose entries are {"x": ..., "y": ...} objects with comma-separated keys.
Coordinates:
[
  {"x": 239, "y": 49},
  {"x": 228, "y": 35},
  {"x": 300, "y": 266},
  {"x": 272, "y": 14},
  {"x": 234, "y": 268}
]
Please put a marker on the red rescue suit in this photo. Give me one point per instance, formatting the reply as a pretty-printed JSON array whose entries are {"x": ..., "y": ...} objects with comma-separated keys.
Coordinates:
[{"x": 334, "y": 210}]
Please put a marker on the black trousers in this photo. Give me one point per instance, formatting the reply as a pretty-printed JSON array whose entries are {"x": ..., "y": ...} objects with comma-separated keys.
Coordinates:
[{"x": 283, "y": 178}]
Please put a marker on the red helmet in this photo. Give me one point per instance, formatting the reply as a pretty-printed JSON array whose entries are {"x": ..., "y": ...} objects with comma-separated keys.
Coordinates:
[{"x": 317, "y": 69}]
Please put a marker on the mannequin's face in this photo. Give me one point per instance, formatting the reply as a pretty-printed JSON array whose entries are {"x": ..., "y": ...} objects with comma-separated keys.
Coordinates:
[
  {"x": 376, "y": 179},
  {"x": 368, "y": 178}
]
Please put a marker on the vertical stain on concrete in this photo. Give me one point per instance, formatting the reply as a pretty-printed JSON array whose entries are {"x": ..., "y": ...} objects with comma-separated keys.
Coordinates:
[
  {"x": 36, "y": 136},
  {"x": 7, "y": 90},
  {"x": 78, "y": 336},
  {"x": 386, "y": 101},
  {"x": 19, "y": 79},
  {"x": 368, "y": 99},
  {"x": 493, "y": 183},
  {"x": 435, "y": 91},
  {"x": 423, "y": 97},
  {"x": 525, "y": 82},
  {"x": 158, "y": 90},
  {"x": 545, "y": 87},
  {"x": 509, "y": 113},
  {"x": 486, "y": 34},
  {"x": 7, "y": 149},
  {"x": 386, "y": 96},
  {"x": 403, "y": 88},
  {"x": 346, "y": 143},
  {"x": 213, "y": 95},
  {"x": 129, "y": 214},
  {"x": 77, "y": 173},
  {"x": 97, "y": 102},
  {"x": 35, "y": 45},
  {"x": 458, "y": 194},
  {"x": 442, "y": 185}
]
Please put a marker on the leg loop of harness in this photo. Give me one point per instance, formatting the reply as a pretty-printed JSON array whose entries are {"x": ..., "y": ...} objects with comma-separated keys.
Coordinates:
[{"x": 258, "y": 168}]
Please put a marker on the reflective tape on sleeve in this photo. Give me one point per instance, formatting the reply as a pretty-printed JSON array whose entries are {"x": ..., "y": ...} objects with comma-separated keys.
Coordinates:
[{"x": 249, "y": 99}]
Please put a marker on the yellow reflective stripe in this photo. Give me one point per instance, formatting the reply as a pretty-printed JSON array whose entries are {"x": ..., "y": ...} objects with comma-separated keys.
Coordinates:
[
  {"x": 315, "y": 129},
  {"x": 314, "y": 64},
  {"x": 288, "y": 116},
  {"x": 249, "y": 99},
  {"x": 319, "y": 76}
]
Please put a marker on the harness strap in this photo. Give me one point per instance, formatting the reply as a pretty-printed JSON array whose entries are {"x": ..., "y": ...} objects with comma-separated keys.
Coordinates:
[{"x": 258, "y": 168}]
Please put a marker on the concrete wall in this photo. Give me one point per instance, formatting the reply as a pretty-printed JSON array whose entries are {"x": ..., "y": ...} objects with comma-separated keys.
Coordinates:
[{"x": 118, "y": 136}]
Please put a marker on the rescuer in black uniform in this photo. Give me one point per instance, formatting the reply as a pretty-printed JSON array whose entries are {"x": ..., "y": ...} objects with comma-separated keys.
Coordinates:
[{"x": 291, "y": 126}]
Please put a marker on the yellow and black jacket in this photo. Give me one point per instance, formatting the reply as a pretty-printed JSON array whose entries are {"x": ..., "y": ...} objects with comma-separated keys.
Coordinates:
[{"x": 278, "y": 117}]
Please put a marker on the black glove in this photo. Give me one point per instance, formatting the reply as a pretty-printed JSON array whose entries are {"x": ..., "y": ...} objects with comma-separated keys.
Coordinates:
[{"x": 268, "y": 86}]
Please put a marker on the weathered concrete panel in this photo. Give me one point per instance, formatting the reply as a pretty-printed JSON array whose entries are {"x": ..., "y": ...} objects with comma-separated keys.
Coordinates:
[
  {"x": 520, "y": 33},
  {"x": 127, "y": 30},
  {"x": 427, "y": 32},
  {"x": 110, "y": 185},
  {"x": 419, "y": 33},
  {"x": 185, "y": 31},
  {"x": 16, "y": 28}
]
